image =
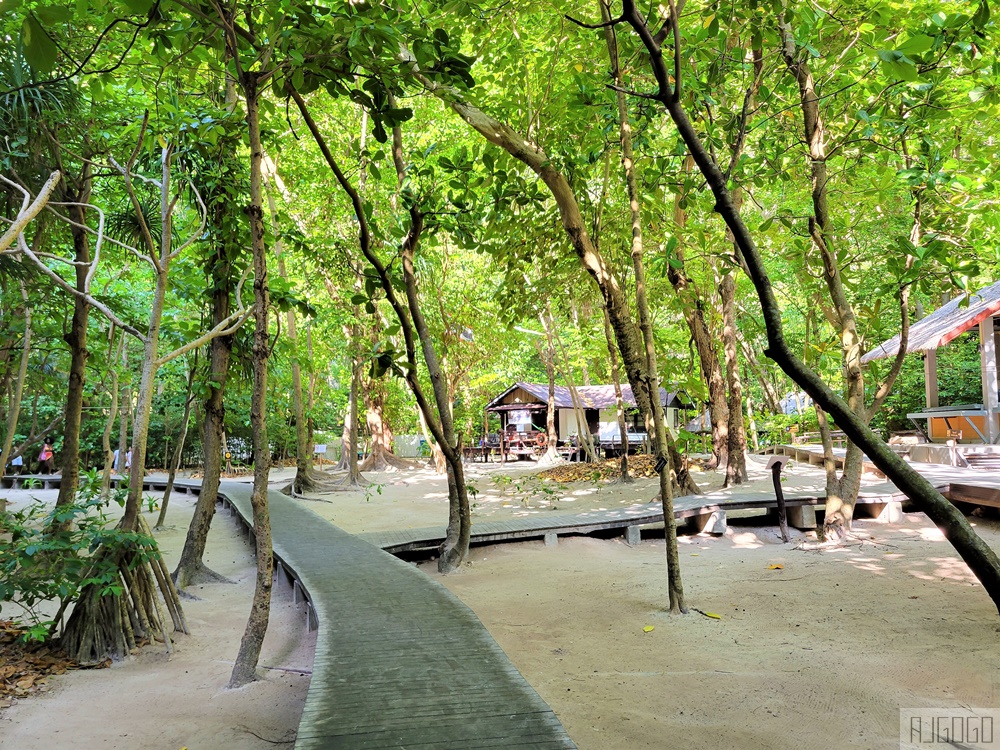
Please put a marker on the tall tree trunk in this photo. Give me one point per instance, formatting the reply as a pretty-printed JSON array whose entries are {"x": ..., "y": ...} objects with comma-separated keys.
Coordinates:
[
  {"x": 350, "y": 412},
  {"x": 585, "y": 438},
  {"x": 14, "y": 413},
  {"x": 114, "y": 354},
  {"x": 736, "y": 468},
  {"x": 76, "y": 337},
  {"x": 772, "y": 399},
  {"x": 534, "y": 157},
  {"x": 353, "y": 477},
  {"x": 623, "y": 477},
  {"x": 456, "y": 546},
  {"x": 655, "y": 427},
  {"x": 693, "y": 304},
  {"x": 551, "y": 432},
  {"x": 841, "y": 493},
  {"x": 244, "y": 670},
  {"x": 304, "y": 481},
  {"x": 982, "y": 560},
  {"x": 191, "y": 568},
  {"x": 456, "y": 543}
]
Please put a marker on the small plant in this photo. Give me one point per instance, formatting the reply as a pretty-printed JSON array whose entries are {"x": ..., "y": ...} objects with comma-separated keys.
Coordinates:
[
  {"x": 473, "y": 492},
  {"x": 151, "y": 506},
  {"x": 31, "y": 483},
  {"x": 39, "y": 564},
  {"x": 502, "y": 482},
  {"x": 372, "y": 489}
]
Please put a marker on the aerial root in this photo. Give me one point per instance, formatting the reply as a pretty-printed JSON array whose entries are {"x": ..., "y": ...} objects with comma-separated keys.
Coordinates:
[{"x": 108, "y": 624}]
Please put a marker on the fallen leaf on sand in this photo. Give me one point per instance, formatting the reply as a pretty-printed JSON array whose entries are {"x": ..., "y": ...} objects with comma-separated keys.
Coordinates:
[
  {"x": 648, "y": 628},
  {"x": 775, "y": 567}
]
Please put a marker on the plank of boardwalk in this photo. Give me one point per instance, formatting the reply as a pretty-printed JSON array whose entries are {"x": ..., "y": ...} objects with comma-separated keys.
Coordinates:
[{"x": 400, "y": 661}]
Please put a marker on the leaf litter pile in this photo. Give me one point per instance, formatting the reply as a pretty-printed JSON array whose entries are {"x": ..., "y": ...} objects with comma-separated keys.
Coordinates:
[
  {"x": 640, "y": 466},
  {"x": 25, "y": 667}
]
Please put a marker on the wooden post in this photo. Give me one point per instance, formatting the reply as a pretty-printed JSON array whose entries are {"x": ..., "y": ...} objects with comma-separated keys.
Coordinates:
[
  {"x": 776, "y": 464},
  {"x": 930, "y": 378},
  {"x": 988, "y": 357}
]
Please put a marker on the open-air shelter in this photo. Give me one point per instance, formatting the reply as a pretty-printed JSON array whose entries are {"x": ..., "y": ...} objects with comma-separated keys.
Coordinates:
[
  {"x": 965, "y": 422},
  {"x": 524, "y": 406}
]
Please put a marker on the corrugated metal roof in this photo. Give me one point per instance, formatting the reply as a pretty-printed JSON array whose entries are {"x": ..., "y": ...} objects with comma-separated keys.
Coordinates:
[
  {"x": 592, "y": 396},
  {"x": 944, "y": 324}
]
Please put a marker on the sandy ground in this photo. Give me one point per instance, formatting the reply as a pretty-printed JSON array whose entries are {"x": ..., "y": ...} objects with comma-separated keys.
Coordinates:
[
  {"x": 156, "y": 701},
  {"x": 821, "y": 652}
]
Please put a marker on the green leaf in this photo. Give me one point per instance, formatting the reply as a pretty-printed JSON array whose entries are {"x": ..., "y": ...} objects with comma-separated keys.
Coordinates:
[
  {"x": 139, "y": 7},
  {"x": 916, "y": 45},
  {"x": 39, "y": 50}
]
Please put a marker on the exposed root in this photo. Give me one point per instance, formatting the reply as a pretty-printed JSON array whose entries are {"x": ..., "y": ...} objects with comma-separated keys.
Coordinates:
[
  {"x": 620, "y": 480},
  {"x": 107, "y": 625},
  {"x": 200, "y": 574},
  {"x": 385, "y": 461}
]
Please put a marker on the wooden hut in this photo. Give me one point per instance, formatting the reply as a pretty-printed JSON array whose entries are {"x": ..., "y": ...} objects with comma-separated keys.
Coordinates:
[
  {"x": 975, "y": 423},
  {"x": 523, "y": 407}
]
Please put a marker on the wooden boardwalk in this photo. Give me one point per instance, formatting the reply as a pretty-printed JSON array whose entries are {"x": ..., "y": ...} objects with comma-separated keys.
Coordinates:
[
  {"x": 400, "y": 661},
  {"x": 698, "y": 509}
]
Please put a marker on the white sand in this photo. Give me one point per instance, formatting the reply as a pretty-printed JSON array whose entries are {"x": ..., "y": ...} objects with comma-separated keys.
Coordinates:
[{"x": 820, "y": 653}]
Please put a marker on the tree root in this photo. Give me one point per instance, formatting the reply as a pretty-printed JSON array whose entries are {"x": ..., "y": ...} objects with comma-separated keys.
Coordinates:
[
  {"x": 381, "y": 460},
  {"x": 111, "y": 618},
  {"x": 314, "y": 482},
  {"x": 201, "y": 574}
]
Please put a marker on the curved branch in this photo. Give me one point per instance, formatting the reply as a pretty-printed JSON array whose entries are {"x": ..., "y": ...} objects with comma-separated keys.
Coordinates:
[
  {"x": 29, "y": 210},
  {"x": 86, "y": 296}
]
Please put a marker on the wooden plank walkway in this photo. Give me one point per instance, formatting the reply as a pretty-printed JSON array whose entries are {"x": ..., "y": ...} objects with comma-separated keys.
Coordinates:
[
  {"x": 545, "y": 524},
  {"x": 400, "y": 661}
]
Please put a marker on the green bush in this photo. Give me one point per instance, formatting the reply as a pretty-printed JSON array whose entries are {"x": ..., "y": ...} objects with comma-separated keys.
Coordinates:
[{"x": 39, "y": 565}]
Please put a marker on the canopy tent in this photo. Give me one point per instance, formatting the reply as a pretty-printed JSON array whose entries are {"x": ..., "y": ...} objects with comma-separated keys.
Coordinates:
[{"x": 968, "y": 421}]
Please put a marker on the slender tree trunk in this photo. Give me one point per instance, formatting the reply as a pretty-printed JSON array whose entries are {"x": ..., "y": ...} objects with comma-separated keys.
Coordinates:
[
  {"x": 179, "y": 450},
  {"x": 736, "y": 468},
  {"x": 76, "y": 337},
  {"x": 586, "y": 439},
  {"x": 353, "y": 478},
  {"x": 124, "y": 412},
  {"x": 624, "y": 477},
  {"x": 244, "y": 670},
  {"x": 350, "y": 413},
  {"x": 772, "y": 400},
  {"x": 626, "y": 334},
  {"x": 304, "y": 481},
  {"x": 456, "y": 546},
  {"x": 693, "y": 305},
  {"x": 14, "y": 413},
  {"x": 109, "y": 456},
  {"x": 842, "y": 493},
  {"x": 656, "y": 427},
  {"x": 457, "y": 539},
  {"x": 551, "y": 433},
  {"x": 191, "y": 568}
]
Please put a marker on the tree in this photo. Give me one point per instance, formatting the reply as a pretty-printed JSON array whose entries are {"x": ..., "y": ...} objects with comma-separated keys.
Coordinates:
[{"x": 976, "y": 553}]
